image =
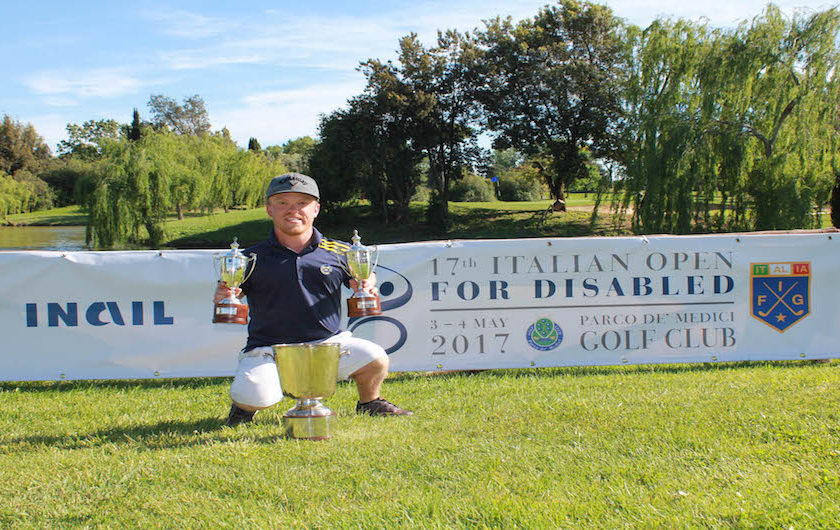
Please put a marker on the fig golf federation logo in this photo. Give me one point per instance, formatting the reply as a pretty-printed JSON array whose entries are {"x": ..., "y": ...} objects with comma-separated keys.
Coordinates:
[
  {"x": 780, "y": 293},
  {"x": 544, "y": 334}
]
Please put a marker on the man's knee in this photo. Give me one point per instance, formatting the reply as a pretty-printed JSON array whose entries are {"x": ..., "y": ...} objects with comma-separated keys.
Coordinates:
[
  {"x": 378, "y": 365},
  {"x": 254, "y": 393},
  {"x": 256, "y": 384},
  {"x": 249, "y": 408},
  {"x": 252, "y": 398}
]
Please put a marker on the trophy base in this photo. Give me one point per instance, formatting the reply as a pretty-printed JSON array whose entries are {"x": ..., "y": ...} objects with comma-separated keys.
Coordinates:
[
  {"x": 311, "y": 428},
  {"x": 363, "y": 306},
  {"x": 308, "y": 420},
  {"x": 226, "y": 313}
]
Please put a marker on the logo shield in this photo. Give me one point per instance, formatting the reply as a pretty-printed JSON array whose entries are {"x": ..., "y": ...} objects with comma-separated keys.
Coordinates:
[{"x": 780, "y": 293}]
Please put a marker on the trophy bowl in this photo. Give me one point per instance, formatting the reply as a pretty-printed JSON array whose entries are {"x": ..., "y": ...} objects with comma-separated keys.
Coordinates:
[
  {"x": 308, "y": 374},
  {"x": 232, "y": 268},
  {"x": 361, "y": 262}
]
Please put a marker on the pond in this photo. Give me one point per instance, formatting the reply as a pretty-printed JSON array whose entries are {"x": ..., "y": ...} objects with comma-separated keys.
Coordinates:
[{"x": 42, "y": 238}]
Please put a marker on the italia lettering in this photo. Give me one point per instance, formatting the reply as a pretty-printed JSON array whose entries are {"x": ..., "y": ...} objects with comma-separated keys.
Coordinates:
[
  {"x": 558, "y": 264},
  {"x": 98, "y": 314}
]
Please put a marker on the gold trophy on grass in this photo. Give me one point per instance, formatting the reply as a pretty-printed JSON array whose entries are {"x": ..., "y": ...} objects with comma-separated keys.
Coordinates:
[
  {"x": 233, "y": 268},
  {"x": 361, "y": 261},
  {"x": 308, "y": 373}
]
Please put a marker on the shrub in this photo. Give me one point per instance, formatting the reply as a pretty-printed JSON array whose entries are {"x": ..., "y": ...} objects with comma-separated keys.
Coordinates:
[
  {"x": 472, "y": 188},
  {"x": 521, "y": 186}
]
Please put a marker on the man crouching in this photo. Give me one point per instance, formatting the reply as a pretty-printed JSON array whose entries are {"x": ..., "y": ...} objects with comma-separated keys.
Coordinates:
[{"x": 294, "y": 295}]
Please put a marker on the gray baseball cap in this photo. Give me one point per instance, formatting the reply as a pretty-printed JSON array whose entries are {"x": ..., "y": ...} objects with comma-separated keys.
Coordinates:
[{"x": 296, "y": 182}]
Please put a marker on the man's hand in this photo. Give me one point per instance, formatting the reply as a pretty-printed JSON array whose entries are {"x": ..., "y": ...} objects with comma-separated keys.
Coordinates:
[
  {"x": 223, "y": 291},
  {"x": 368, "y": 284}
]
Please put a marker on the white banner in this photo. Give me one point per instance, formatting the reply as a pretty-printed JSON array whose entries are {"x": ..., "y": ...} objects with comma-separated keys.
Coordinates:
[{"x": 446, "y": 305}]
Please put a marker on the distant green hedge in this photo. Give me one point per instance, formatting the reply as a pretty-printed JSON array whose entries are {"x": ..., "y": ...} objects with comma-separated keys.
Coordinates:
[{"x": 472, "y": 188}]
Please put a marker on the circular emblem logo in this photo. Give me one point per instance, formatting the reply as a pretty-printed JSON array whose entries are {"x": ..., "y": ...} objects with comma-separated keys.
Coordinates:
[
  {"x": 544, "y": 335},
  {"x": 326, "y": 270}
]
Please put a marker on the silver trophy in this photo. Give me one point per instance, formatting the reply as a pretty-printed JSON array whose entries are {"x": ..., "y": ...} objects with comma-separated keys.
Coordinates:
[
  {"x": 308, "y": 373},
  {"x": 233, "y": 268},
  {"x": 361, "y": 261}
]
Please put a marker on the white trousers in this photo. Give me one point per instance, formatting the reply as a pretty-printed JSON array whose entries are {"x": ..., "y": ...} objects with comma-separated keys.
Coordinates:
[{"x": 257, "y": 383}]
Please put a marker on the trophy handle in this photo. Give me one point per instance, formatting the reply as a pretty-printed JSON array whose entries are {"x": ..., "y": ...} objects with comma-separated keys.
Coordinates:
[{"x": 252, "y": 264}]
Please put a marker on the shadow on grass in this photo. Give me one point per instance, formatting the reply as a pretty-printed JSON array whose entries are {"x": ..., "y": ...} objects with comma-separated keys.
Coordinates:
[
  {"x": 468, "y": 222},
  {"x": 58, "y": 220},
  {"x": 619, "y": 370},
  {"x": 98, "y": 384},
  {"x": 512, "y": 224},
  {"x": 248, "y": 233},
  {"x": 166, "y": 434},
  {"x": 162, "y": 435},
  {"x": 560, "y": 371},
  {"x": 338, "y": 224}
]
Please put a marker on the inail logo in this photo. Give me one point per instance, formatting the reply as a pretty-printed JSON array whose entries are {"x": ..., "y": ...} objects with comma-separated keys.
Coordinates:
[{"x": 96, "y": 314}]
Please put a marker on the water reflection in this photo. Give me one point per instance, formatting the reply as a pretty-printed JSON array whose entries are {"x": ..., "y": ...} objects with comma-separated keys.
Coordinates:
[{"x": 42, "y": 238}]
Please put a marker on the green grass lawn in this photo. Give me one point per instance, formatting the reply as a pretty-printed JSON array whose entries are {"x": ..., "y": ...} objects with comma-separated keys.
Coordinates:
[
  {"x": 471, "y": 220},
  {"x": 485, "y": 220},
  {"x": 729, "y": 445},
  {"x": 65, "y": 216}
]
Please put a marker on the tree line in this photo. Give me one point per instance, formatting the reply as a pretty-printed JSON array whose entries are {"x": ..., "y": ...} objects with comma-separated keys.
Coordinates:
[
  {"x": 694, "y": 129},
  {"x": 131, "y": 177}
]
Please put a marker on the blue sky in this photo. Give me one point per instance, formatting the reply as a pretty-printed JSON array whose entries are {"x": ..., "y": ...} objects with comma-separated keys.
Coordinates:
[{"x": 265, "y": 69}]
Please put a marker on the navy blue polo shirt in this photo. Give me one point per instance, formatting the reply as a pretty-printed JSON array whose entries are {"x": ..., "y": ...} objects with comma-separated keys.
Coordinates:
[{"x": 295, "y": 297}]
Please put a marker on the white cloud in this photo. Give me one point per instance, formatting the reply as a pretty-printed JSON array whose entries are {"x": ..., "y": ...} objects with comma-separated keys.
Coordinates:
[
  {"x": 329, "y": 40},
  {"x": 105, "y": 82},
  {"x": 60, "y": 101},
  {"x": 726, "y": 14},
  {"x": 234, "y": 60},
  {"x": 274, "y": 117},
  {"x": 206, "y": 58},
  {"x": 314, "y": 42},
  {"x": 188, "y": 25}
]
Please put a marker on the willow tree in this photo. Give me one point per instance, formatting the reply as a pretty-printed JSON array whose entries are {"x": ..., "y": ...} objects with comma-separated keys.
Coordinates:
[
  {"x": 663, "y": 108},
  {"x": 140, "y": 183},
  {"x": 249, "y": 173},
  {"x": 775, "y": 98},
  {"x": 733, "y": 130},
  {"x": 131, "y": 193},
  {"x": 14, "y": 196},
  {"x": 185, "y": 179}
]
